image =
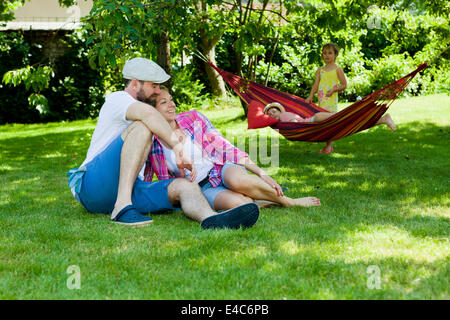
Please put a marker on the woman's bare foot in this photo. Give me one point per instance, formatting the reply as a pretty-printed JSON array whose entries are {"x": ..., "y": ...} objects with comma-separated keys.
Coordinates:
[
  {"x": 304, "y": 202},
  {"x": 387, "y": 120}
]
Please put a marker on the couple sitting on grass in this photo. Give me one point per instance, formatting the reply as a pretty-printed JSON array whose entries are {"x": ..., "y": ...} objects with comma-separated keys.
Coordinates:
[{"x": 138, "y": 134}]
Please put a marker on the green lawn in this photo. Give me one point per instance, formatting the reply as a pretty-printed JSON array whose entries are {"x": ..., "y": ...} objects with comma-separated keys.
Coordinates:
[{"x": 385, "y": 207}]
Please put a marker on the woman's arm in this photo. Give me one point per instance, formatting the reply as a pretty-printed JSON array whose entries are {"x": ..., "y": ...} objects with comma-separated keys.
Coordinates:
[{"x": 253, "y": 167}]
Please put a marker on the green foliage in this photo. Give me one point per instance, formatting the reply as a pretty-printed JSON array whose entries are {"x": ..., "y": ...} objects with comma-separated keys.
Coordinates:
[
  {"x": 273, "y": 42},
  {"x": 373, "y": 52},
  {"x": 186, "y": 90},
  {"x": 6, "y": 9},
  {"x": 39, "y": 102},
  {"x": 33, "y": 78},
  {"x": 32, "y": 91}
]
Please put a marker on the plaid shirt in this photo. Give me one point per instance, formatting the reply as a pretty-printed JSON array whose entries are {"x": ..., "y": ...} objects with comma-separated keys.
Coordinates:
[{"x": 201, "y": 131}]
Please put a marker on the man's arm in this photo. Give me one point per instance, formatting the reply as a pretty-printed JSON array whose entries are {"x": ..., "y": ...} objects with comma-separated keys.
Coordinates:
[
  {"x": 154, "y": 121},
  {"x": 158, "y": 125}
]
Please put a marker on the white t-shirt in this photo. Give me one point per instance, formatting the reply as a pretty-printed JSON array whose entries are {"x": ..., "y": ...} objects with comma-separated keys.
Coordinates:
[
  {"x": 203, "y": 165},
  {"x": 112, "y": 121}
]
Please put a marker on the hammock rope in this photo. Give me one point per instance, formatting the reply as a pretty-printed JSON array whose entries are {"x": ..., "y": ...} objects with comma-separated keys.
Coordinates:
[{"x": 359, "y": 116}]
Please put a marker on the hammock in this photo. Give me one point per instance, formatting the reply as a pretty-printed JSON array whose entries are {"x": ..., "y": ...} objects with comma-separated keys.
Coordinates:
[{"x": 359, "y": 116}]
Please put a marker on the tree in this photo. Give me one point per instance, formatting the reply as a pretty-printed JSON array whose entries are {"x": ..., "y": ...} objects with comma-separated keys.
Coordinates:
[{"x": 117, "y": 30}]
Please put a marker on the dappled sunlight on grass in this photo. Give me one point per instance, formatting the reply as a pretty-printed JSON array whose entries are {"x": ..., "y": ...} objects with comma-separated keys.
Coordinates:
[
  {"x": 271, "y": 267},
  {"x": 338, "y": 155},
  {"x": 437, "y": 211},
  {"x": 251, "y": 253},
  {"x": 23, "y": 181},
  {"x": 34, "y": 130},
  {"x": 385, "y": 241},
  {"x": 290, "y": 247}
]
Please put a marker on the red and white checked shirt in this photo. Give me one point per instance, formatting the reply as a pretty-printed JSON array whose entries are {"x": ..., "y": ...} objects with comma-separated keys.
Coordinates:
[{"x": 201, "y": 131}]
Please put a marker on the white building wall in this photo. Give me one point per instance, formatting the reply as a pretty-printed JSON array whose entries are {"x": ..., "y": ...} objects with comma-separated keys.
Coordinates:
[{"x": 48, "y": 15}]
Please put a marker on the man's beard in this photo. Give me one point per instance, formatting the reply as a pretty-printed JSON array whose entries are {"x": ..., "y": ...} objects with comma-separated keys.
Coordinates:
[{"x": 140, "y": 96}]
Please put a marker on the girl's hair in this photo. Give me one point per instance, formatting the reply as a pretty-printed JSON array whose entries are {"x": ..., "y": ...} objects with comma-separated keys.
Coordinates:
[
  {"x": 152, "y": 99},
  {"x": 332, "y": 46}
]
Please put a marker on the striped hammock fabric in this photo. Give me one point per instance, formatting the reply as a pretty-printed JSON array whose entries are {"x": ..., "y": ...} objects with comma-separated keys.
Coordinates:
[{"x": 359, "y": 116}]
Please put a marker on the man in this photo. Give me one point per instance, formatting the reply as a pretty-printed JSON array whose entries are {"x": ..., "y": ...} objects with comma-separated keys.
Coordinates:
[{"x": 110, "y": 180}]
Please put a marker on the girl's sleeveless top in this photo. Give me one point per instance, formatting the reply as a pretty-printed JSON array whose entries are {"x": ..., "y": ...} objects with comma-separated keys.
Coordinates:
[{"x": 328, "y": 80}]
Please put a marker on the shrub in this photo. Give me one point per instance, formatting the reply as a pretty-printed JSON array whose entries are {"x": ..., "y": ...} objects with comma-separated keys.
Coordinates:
[
  {"x": 75, "y": 91},
  {"x": 186, "y": 90}
]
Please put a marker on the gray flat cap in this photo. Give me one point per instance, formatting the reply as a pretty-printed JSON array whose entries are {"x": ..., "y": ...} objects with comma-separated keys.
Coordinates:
[{"x": 144, "y": 70}]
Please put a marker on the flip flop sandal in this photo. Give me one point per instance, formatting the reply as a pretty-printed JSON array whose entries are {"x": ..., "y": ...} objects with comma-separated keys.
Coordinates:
[{"x": 131, "y": 217}]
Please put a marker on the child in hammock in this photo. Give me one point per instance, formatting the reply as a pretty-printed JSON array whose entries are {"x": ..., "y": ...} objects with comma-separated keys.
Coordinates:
[
  {"x": 330, "y": 80},
  {"x": 277, "y": 111}
]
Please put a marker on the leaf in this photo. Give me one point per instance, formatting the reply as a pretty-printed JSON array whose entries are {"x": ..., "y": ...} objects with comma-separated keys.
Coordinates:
[{"x": 125, "y": 9}]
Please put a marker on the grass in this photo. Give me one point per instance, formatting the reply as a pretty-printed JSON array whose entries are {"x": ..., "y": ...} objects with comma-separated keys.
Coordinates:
[{"x": 385, "y": 203}]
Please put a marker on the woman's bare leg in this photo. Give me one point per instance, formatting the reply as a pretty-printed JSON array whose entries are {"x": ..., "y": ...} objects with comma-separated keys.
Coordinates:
[
  {"x": 229, "y": 199},
  {"x": 387, "y": 120},
  {"x": 238, "y": 180}
]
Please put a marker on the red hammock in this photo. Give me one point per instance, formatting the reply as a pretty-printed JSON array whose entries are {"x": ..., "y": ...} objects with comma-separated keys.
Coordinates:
[{"x": 359, "y": 116}]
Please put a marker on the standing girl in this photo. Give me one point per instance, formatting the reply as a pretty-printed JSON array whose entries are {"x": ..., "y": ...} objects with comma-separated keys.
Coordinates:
[{"x": 330, "y": 79}]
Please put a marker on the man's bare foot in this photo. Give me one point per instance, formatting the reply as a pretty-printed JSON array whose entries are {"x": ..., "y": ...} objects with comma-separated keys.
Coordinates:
[
  {"x": 304, "y": 202},
  {"x": 387, "y": 120}
]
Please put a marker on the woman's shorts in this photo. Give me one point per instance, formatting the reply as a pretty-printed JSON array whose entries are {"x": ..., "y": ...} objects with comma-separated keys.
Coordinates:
[{"x": 210, "y": 192}]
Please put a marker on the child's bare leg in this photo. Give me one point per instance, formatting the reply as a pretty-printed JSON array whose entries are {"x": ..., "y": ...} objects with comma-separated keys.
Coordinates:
[
  {"x": 387, "y": 120},
  {"x": 328, "y": 148},
  {"x": 321, "y": 116}
]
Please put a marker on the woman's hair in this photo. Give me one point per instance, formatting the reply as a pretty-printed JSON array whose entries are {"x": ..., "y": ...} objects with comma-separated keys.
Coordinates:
[
  {"x": 332, "y": 46},
  {"x": 152, "y": 99}
]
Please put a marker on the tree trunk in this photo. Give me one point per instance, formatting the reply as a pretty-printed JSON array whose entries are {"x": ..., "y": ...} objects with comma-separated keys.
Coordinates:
[
  {"x": 217, "y": 84},
  {"x": 207, "y": 46},
  {"x": 163, "y": 58}
]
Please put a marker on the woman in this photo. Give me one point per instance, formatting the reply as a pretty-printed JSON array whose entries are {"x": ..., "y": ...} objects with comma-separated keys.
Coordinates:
[{"x": 221, "y": 167}]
